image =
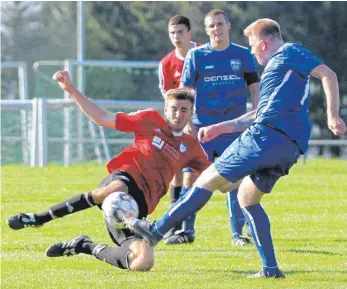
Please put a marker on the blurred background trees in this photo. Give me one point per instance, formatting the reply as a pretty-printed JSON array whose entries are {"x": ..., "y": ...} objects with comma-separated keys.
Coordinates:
[{"x": 32, "y": 31}]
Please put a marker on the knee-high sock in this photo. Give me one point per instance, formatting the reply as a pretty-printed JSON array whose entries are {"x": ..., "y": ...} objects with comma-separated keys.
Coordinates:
[
  {"x": 189, "y": 222},
  {"x": 116, "y": 256},
  {"x": 260, "y": 228},
  {"x": 237, "y": 219},
  {"x": 192, "y": 202},
  {"x": 72, "y": 205}
]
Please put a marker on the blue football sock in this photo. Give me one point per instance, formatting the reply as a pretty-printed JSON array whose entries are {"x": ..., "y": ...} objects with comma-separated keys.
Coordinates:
[
  {"x": 237, "y": 219},
  {"x": 260, "y": 228},
  {"x": 192, "y": 202},
  {"x": 189, "y": 222}
]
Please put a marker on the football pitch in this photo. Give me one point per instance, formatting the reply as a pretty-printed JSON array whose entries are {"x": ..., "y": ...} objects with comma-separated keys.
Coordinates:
[{"x": 307, "y": 209}]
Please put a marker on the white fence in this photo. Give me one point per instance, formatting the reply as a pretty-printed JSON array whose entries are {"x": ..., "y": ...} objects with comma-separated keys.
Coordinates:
[
  {"x": 39, "y": 141},
  {"x": 23, "y": 94}
]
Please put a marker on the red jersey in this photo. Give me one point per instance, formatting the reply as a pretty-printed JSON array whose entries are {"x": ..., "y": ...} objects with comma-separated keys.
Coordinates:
[
  {"x": 156, "y": 154},
  {"x": 170, "y": 70}
]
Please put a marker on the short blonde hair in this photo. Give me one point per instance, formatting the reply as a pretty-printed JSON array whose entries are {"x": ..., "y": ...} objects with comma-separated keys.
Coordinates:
[{"x": 264, "y": 27}]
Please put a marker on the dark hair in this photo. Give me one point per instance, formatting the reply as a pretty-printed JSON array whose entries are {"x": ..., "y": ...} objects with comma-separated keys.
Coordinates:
[
  {"x": 215, "y": 12},
  {"x": 182, "y": 93},
  {"x": 179, "y": 19}
]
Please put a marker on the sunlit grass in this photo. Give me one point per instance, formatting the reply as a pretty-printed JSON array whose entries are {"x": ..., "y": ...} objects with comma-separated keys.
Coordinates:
[{"x": 307, "y": 209}]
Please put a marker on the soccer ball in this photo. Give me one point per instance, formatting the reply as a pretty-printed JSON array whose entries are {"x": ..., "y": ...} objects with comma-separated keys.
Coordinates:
[{"x": 117, "y": 206}]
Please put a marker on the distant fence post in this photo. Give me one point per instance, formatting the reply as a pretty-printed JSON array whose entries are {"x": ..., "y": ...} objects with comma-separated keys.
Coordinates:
[
  {"x": 67, "y": 110},
  {"x": 42, "y": 132},
  {"x": 34, "y": 144}
]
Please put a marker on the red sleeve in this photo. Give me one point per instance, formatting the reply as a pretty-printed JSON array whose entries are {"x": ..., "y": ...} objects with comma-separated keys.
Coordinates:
[
  {"x": 137, "y": 121},
  {"x": 199, "y": 161}
]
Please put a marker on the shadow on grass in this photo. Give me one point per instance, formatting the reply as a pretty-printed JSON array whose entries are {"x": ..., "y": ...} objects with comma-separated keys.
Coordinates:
[
  {"x": 197, "y": 250},
  {"x": 304, "y": 251},
  {"x": 242, "y": 274}
]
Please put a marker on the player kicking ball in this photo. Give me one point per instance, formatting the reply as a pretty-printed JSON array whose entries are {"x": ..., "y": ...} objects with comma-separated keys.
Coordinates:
[
  {"x": 143, "y": 170},
  {"x": 277, "y": 134}
]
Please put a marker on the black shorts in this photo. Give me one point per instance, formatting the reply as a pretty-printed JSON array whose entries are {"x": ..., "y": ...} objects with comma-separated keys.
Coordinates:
[{"x": 120, "y": 235}]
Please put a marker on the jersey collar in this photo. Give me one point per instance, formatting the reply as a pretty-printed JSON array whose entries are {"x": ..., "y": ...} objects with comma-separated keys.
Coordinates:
[{"x": 179, "y": 133}]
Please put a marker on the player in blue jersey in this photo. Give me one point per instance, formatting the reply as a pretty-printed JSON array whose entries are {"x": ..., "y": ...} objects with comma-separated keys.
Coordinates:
[
  {"x": 275, "y": 136},
  {"x": 222, "y": 74}
]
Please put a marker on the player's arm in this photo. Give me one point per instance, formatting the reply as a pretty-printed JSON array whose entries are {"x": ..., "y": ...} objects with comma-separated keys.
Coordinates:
[
  {"x": 331, "y": 89},
  {"x": 93, "y": 111},
  {"x": 235, "y": 125}
]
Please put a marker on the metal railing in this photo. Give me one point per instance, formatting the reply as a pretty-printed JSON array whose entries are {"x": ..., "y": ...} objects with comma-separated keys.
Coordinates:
[{"x": 39, "y": 139}]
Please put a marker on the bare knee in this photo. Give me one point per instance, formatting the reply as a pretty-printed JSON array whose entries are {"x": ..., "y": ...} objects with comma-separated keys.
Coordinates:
[
  {"x": 248, "y": 194},
  {"x": 141, "y": 257},
  {"x": 211, "y": 180},
  {"x": 100, "y": 194}
]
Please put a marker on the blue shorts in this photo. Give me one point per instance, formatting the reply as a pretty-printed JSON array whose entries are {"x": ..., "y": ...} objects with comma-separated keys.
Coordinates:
[
  {"x": 216, "y": 147},
  {"x": 260, "y": 152}
]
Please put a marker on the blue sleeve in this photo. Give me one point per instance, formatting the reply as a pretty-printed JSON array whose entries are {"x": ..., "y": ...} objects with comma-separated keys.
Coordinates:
[
  {"x": 188, "y": 76},
  {"x": 301, "y": 59},
  {"x": 250, "y": 62}
]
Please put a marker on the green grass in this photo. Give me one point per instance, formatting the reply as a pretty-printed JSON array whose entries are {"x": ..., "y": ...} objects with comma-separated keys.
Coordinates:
[{"x": 307, "y": 209}]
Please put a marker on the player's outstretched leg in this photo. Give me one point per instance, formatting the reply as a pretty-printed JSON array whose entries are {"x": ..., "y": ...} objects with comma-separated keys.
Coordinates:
[
  {"x": 133, "y": 254},
  {"x": 152, "y": 233},
  {"x": 72, "y": 205}
]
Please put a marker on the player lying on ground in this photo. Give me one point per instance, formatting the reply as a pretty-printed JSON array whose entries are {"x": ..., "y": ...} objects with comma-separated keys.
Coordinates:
[
  {"x": 144, "y": 170},
  {"x": 278, "y": 132}
]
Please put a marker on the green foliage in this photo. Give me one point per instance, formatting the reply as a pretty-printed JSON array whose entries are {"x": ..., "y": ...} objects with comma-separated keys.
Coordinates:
[
  {"x": 135, "y": 30},
  {"x": 307, "y": 211}
]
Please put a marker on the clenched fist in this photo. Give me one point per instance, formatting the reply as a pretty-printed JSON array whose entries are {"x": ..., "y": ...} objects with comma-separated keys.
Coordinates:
[
  {"x": 63, "y": 79},
  {"x": 208, "y": 133},
  {"x": 336, "y": 125}
]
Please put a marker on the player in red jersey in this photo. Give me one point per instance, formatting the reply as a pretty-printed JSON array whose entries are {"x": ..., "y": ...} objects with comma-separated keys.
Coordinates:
[
  {"x": 143, "y": 170},
  {"x": 170, "y": 67},
  {"x": 170, "y": 70}
]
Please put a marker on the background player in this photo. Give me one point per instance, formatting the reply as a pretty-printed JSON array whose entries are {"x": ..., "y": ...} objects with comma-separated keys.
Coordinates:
[
  {"x": 170, "y": 70},
  {"x": 144, "y": 170},
  {"x": 222, "y": 74},
  {"x": 279, "y": 132}
]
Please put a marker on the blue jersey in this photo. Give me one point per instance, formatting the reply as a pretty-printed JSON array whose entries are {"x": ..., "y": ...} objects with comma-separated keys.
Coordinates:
[
  {"x": 218, "y": 80},
  {"x": 284, "y": 96}
]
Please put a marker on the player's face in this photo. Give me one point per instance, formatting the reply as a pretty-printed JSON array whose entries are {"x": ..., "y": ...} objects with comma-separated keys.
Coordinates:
[
  {"x": 259, "y": 49},
  {"x": 217, "y": 28},
  {"x": 178, "y": 113},
  {"x": 179, "y": 35}
]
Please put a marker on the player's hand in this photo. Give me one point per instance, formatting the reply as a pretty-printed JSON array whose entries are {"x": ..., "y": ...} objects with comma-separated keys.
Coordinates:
[
  {"x": 63, "y": 79},
  {"x": 337, "y": 125},
  {"x": 208, "y": 133}
]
